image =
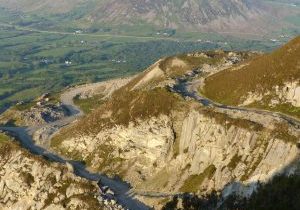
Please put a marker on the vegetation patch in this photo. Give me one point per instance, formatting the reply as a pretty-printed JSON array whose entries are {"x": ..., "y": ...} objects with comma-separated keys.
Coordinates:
[
  {"x": 160, "y": 180},
  {"x": 4, "y": 138},
  {"x": 281, "y": 193},
  {"x": 282, "y": 132},
  {"x": 33, "y": 63},
  {"x": 227, "y": 121},
  {"x": 235, "y": 160},
  {"x": 24, "y": 106},
  {"x": 286, "y": 108},
  {"x": 193, "y": 183},
  {"x": 89, "y": 104},
  {"x": 260, "y": 143}
]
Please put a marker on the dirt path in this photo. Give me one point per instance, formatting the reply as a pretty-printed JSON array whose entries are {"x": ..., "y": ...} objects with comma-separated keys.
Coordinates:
[
  {"x": 24, "y": 135},
  {"x": 188, "y": 86}
]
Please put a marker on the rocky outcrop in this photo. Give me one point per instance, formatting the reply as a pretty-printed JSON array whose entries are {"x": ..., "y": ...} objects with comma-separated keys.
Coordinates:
[
  {"x": 237, "y": 153},
  {"x": 35, "y": 115},
  {"x": 289, "y": 93},
  {"x": 125, "y": 149},
  {"x": 44, "y": 114},
  {"x": 29, "y": 182}
]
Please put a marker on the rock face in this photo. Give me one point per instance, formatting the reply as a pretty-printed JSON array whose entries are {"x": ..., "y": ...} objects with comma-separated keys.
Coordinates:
[
  {"x": 29, "y": 182},
  {"x": 237, "y": 153},
  {"x": 180, "y": 13},
  {"x": 117, "y": 148},
  {"x": 289, "y": 93},
  {"x": 150, "y": 157}
]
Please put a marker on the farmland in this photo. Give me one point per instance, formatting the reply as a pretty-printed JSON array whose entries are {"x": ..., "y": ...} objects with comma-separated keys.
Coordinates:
[{"x": 33, "y": 62}]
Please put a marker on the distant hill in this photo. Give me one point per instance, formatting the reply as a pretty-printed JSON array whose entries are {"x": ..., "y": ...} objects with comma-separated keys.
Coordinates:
[
  {"x": 48, "y": 6},
  {"x": 270, "y": 81},
  {"x": 173, "y": 14},
  {"x": 230, "y": 16}
]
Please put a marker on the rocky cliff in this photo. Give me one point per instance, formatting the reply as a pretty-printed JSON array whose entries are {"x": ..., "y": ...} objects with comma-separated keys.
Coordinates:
[{"x": 42, "y": 110}]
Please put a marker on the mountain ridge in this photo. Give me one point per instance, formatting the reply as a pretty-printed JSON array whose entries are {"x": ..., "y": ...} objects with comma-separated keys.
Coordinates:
[{"x": 232, "y": 16}]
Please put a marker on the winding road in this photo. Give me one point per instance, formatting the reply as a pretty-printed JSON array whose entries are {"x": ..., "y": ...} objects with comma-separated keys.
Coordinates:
[{"x": 186, "y": 86}]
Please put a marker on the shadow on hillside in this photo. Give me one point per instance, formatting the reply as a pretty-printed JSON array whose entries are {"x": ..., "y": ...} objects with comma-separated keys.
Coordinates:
[{"x": 282, "y": 192}]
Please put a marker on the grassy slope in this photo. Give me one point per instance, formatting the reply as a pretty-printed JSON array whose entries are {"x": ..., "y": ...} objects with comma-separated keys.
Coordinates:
[
  {"x": 259, "y": 76},
  {"x": 128, "y": 105}
]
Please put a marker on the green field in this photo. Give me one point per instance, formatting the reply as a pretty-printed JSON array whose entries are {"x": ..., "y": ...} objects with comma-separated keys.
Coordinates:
[
  {"x": 32, "y": 62},
  {"x": 33, "y": 51}
]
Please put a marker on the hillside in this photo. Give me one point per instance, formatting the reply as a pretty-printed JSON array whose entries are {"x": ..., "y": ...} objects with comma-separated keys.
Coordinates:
[
  {"x": 48, "y": 6},
  {"x": 271, "y": 81},
  {"x": 176, "y": 14},
  {"x": 147, "y": 134}
]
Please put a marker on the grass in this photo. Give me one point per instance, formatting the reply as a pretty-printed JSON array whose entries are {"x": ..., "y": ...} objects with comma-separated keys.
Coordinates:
[
  {"x": 193, "y": 183},
  {"x": 295, "y": 19},
  {"x": 23, "y": 52},
  {"x": 4, "y": 138},
  {"x": 89, "y": 104},
  {"x": 282, "y": 132},
  {"x": 24, "y": 106}
]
